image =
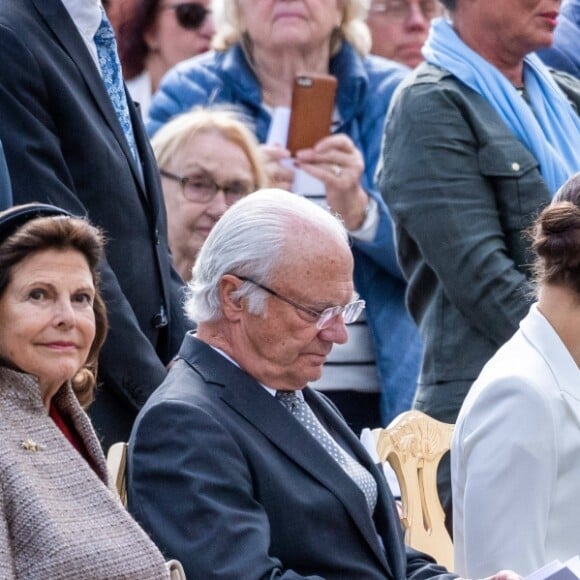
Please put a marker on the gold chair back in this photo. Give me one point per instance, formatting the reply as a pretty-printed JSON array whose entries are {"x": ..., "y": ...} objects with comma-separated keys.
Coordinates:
[
  {"x": 117, "y": 466},
  {"x": 413, "y": 444}
]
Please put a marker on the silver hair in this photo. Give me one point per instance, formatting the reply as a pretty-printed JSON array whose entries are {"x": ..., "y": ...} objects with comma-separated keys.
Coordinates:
[{"x": 249, "y": 240}]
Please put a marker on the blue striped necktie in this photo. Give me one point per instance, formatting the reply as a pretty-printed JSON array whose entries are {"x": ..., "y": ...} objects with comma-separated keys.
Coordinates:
[{"x": 113, "y": 78}]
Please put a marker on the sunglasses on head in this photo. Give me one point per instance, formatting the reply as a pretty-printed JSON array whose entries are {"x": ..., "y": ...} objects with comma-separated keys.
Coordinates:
[{"x": 190, "y": 15}]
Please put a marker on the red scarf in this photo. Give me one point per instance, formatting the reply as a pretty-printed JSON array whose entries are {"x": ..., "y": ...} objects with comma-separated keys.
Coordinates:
[{"x": 68, "y": 430}]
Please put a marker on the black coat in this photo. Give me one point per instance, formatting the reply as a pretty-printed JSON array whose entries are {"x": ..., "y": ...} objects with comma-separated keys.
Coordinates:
[{"x": 65, "y": 146}]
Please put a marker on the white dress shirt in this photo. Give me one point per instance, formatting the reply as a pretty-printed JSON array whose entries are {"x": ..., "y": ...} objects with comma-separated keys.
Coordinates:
[
  {"x": 140, "y": 90},
  {"x": 86, "y": 15}
]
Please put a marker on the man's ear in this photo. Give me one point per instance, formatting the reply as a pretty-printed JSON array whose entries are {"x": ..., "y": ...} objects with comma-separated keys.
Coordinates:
[{"x": 232, "y": 306}]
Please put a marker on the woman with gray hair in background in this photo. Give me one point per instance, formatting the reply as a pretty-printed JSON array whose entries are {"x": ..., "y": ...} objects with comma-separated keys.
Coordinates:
[
  {"x": 208, "y": 160},
  {"x": 260, "y": 46}
]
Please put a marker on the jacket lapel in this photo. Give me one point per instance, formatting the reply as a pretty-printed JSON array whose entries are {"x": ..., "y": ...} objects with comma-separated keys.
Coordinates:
[
  {"x": 248, "y": 398},
  {"x": 385, "y": 516},
  {"x": 544, "y": 339},
  {"x": 60, "y": 23}
]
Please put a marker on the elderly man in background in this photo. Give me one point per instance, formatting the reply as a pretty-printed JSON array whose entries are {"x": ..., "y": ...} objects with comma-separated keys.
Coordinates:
[
  {"x": 235, "y": 464},
  {"x": 399, "y": 28}
]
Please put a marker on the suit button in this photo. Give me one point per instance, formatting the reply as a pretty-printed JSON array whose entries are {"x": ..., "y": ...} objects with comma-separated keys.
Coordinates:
[
  {"x": 156, "y": 237},
  {"x": 515, "y": 166}
]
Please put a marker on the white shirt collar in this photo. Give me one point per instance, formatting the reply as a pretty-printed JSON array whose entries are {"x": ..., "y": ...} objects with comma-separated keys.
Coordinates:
[
  {"x": 272, "y": 392},
  {"x": 86, "y": 14}
]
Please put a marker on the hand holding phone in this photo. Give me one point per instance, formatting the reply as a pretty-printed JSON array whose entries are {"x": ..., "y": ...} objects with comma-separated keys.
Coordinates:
[{"x": 312, "y": 107}]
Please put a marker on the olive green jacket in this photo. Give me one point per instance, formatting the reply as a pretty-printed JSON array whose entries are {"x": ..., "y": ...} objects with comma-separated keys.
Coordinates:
[{"x": 462, "y": 190}]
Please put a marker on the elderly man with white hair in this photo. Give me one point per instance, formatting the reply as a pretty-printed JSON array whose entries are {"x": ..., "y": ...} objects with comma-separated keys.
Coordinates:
[{"x": 235, "y": 465}]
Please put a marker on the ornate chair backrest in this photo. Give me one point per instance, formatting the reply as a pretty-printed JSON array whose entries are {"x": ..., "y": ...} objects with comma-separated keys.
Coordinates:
[
  {"x": 413, "y": 444},
  {"x": 117, "y": 466}
]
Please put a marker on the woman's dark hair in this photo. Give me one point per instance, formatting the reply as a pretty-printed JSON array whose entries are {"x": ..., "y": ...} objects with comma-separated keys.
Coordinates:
[
  {"x": 133, "y": 48},
  {"x": 556, "y": 239},
  {"x": 62, "y": 233}
]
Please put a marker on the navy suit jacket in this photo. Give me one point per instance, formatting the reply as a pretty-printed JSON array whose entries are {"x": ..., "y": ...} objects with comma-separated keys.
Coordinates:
[
  {"x": 223, "y": 478},
  {"x": 65, "y": 146}
]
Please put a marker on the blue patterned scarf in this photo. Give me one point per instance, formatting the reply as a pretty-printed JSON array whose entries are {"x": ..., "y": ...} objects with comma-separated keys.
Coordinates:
[{"x": 550, "y": 129}]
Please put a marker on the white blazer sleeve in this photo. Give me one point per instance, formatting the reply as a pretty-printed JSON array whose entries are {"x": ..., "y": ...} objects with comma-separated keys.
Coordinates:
[{"x": 504, "y": 462}]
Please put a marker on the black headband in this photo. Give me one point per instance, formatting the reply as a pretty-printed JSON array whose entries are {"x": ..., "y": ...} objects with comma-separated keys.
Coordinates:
[{"x": 11, "y": 219}]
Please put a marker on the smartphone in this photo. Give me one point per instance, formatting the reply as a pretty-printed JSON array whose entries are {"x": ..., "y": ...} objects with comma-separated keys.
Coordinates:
[{"x": 312, "y": 108}]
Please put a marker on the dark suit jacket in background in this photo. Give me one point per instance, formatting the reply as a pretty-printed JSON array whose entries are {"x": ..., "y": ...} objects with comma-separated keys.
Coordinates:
[
  {"x": 225, "y": 479},
  {"x": 65, "y": 146}
]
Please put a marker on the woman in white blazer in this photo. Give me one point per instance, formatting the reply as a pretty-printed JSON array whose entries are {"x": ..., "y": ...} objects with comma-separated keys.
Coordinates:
[{"x": 515, "y": 457}]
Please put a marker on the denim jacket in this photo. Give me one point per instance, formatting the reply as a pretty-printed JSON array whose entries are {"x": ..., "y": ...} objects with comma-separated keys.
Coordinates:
[
  {"x": 462, "y": 190},
  {"x": 365, "y": 87}
]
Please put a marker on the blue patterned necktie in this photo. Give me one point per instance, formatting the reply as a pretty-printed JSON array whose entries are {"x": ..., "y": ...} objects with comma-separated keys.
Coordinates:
[
  {"x": 305, "y": 415},
  {"x": 113, "y": 79}
]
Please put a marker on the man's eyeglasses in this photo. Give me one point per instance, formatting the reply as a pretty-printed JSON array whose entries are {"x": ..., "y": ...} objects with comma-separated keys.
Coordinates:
[
  {"x": 350, "y": 312},
  {"x": 400, "y": 9},
  {"x": 202, "y": 188},
  {"x": 190, "y": 15}
]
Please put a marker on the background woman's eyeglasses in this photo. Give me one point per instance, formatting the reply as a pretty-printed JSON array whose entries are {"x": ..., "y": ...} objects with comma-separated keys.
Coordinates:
[
  {"x": 190, "y": 15},
  {"x": 400, "y": 9},
  {"x": 202, "y": 189}
]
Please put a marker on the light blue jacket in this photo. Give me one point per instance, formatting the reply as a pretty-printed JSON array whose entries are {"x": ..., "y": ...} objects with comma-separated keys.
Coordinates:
[{"x": 365, "y": 87}]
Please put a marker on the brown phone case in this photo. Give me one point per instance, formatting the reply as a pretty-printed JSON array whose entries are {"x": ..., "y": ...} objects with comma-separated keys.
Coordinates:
[{"x": 312, "y": 107}]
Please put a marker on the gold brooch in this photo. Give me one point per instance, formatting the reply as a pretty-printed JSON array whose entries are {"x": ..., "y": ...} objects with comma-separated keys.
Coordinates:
[{"x": 30, "y": 445}]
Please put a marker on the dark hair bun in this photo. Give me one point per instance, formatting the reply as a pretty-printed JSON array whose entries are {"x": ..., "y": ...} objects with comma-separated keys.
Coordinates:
[{"x": 557, "y": 237}]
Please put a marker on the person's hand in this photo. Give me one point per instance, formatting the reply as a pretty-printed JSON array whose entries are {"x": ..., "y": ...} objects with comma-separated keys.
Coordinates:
[
  {"x": 278, "y": 174},
  {"x": 337, "y": 162}
]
